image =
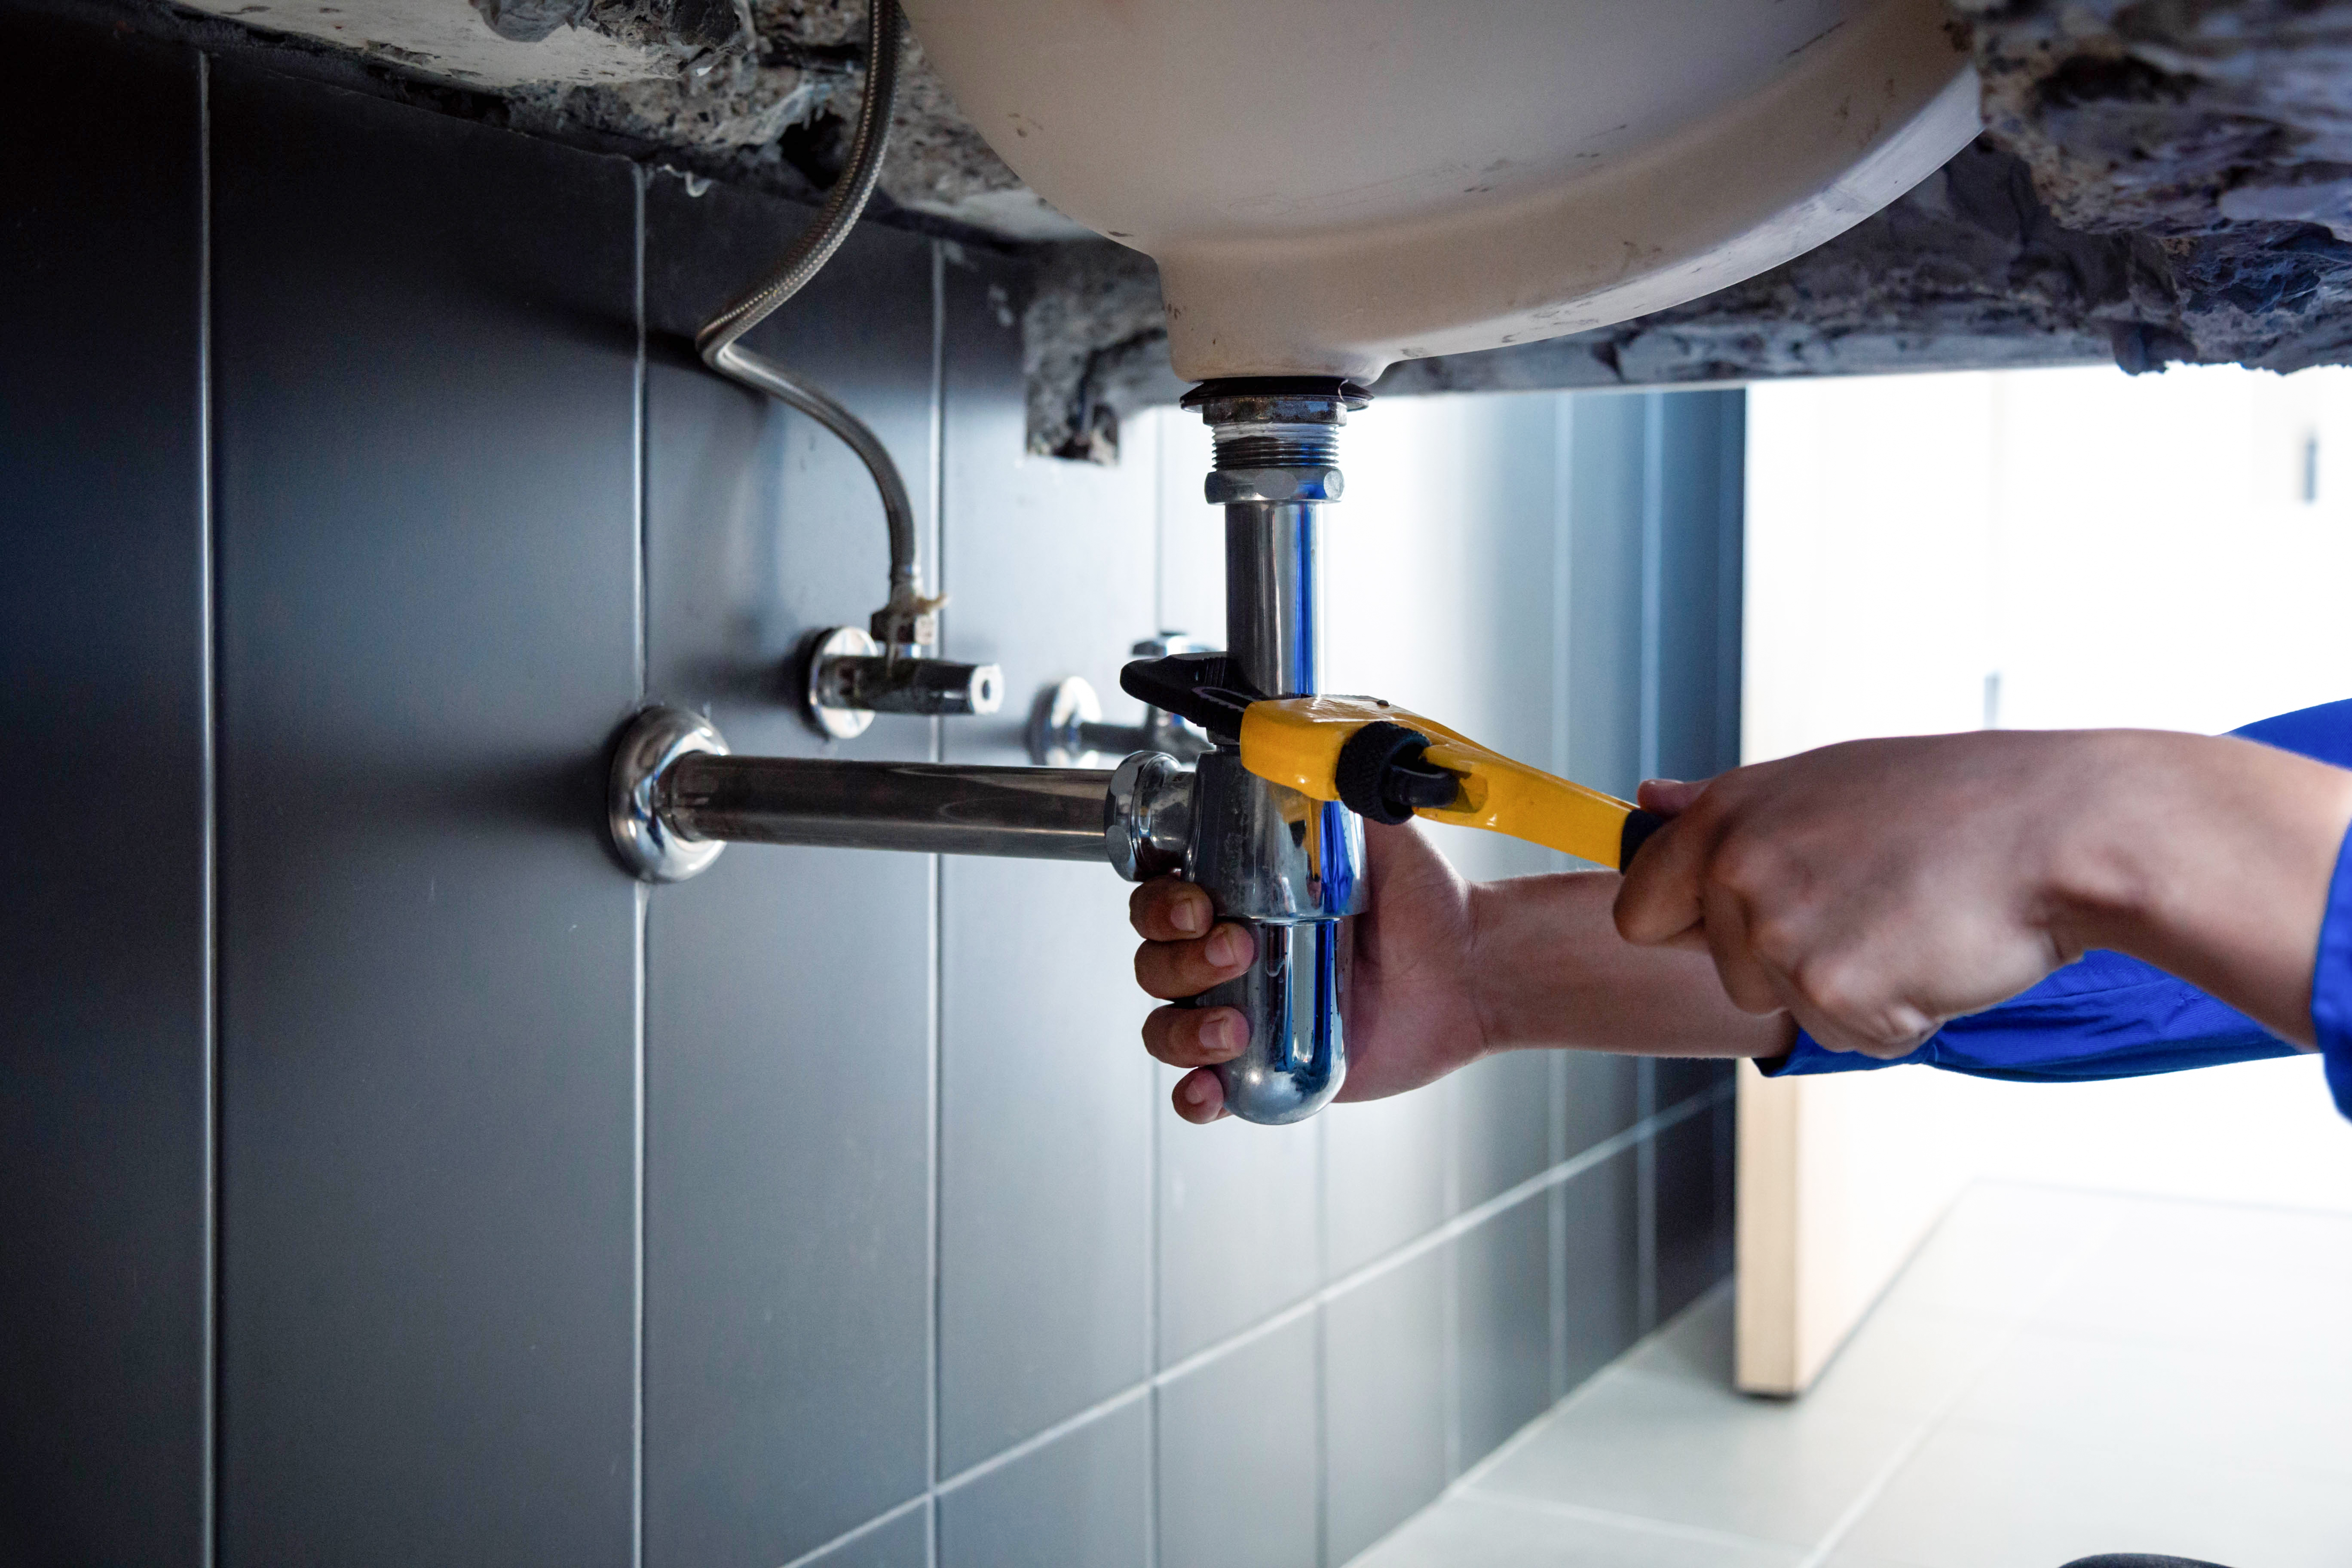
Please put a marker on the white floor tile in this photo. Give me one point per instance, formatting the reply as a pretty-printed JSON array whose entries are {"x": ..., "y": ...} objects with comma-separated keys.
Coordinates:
[
  {"x": 1471, "y": 1531},
  {"x": 2230, "y": 1401},
  {"x": 2002, "y": 1251},
  {"x": 2203, "y": 1286},
  {"x": 1981, "y": 1497},
  {"x": 1911, "y": 1361},
  {"x": 1696, "y": 1346},
  {"x": 2102, "y": 1373},
  {"x": 1673, "y": 1449}
]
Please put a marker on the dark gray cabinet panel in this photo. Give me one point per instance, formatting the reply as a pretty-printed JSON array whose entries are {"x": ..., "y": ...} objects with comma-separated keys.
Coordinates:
[
  {"x": 1384, "y": 1402},
  {"x": 106, "y": 1043},
  {"x": 1500, "y": 1273},
  {"x": 789, "y": 991},
  {"x": 1694, "y": 1212},
  {"x": 1239, "y": 1456},
  {"x": 1083, "y": 1500},
  {"x": 1046, "y": 1098},
  {"x": 426, "y": 362}
]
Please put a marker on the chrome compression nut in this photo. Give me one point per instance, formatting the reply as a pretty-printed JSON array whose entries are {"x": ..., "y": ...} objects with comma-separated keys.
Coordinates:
[
  {"x": 1147, "y": 816},
  {"x": 1225, "y": 485}
]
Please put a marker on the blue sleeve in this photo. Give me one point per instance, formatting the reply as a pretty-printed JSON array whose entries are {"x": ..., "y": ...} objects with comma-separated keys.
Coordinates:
[
  {"x": 2110, "y": 1016},
  {"x": 2331, "y": 983}
]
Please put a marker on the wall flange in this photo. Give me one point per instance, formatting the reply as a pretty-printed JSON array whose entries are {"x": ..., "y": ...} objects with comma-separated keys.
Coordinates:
[{"x": 647, "y": 844}]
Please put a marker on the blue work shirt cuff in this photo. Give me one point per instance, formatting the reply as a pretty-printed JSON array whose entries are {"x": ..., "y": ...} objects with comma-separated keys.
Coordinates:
[{"x": 2331, "y": 982}]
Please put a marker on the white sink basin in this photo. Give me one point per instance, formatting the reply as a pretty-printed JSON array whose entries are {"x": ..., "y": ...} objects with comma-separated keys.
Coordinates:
[{"x": 1329, "y": 185}]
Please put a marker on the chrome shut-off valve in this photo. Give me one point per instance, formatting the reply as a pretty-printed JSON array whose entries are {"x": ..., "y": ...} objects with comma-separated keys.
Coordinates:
[{"x": 848, "y": 677}]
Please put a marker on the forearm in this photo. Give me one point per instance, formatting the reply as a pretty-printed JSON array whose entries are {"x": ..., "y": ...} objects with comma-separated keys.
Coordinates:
[
  {"x": 2209, "y": 859},
  {"x": 1548, "y": 969}
]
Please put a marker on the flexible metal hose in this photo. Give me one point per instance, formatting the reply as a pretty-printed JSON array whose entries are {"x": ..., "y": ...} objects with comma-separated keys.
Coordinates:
[{"x": 905, "y": 618}]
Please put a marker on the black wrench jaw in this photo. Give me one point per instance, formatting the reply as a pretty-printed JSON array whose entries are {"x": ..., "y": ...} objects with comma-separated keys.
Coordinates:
[{"x": 1204, "y": 688}]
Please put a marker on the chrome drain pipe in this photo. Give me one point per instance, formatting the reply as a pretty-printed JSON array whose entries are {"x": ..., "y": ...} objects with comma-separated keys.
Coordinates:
[{"x": 1287, "y": 868}]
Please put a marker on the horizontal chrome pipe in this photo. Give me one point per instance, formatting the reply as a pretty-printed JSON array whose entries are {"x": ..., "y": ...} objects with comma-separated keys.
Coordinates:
[
  {"x": 679, "y": 797},
  {"x": 1037, "y": 814}
]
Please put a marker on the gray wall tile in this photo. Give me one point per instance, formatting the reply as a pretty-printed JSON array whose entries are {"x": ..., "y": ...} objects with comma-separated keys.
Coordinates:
[
  {"x": 1702, "y": 475},
  {"x": 789, "y": 991},
  {"x": 1240, "y": 1224},
  {"x": 1596, "y": 1283},
  {"x": 1502, "y": 1124},
  {"x": 105, "y": 1056},
  {"x": 1384, "y": 1354},
  {"x": 1048, "y": 1100},
  {"x": 787, "y": 1188},
  {"x": 1046, "y": 1106},
  {"x": 427, "y": 547},
  {"x": 1239, "y": 1458},
  {"x": 1083, "y": 1500},
  {"x": 1598, "y": 1099},
  {"x": 1678, "y": 1078},
  {"x": 1384, "y": 1173},
  {"x": 1604, "y": 437},
  {"x": 1502, "y": 1272}
]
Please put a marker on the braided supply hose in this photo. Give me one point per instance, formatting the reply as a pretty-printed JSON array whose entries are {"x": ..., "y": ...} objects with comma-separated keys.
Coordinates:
[{"x": 907, "y": 623}]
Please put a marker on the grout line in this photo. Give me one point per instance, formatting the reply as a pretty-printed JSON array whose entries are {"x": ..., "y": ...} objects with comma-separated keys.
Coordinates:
[
  {"x": 1645, "y": 1197},
  {"x": 1653, "y": 567},
  {"x": 642, "y": 918},
  {"x": 879, "y": 1521},
  {"x": 639, "y": 475},
  {"x": 643, "y": 903},
  {"x": 1321, "y": 1412},
  {"x": 209, "y": 1509},
  {"x": 1563, "y": 567},
  {"x": 936, "y": 937},
  {"x": 1556, "y": 1234},
  {"x": 1151, "y": 1310},
  {"x": 1032, "y": 1443},
  {"x": 1450, "y": 1281},
  {"x": 935, "y": 1138},
  {"x": 1636, "y": 1523}
]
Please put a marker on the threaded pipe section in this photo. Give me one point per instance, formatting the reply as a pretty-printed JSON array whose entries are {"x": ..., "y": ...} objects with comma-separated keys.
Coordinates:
[{"x": 1291, "y": 446}]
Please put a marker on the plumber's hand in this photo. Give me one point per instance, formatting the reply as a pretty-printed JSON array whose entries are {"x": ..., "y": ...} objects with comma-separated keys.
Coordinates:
[
  {"x": 1410, "y": 1017},
  {"x": 1877, "y": 889}
]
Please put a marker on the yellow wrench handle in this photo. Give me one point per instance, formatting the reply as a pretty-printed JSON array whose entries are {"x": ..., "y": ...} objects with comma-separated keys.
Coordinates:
[{"x": 1295, "y": 740}]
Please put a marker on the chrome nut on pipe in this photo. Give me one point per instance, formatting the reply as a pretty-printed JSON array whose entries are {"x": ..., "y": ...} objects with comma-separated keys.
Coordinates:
[{"x": 1147, "y": 816}]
